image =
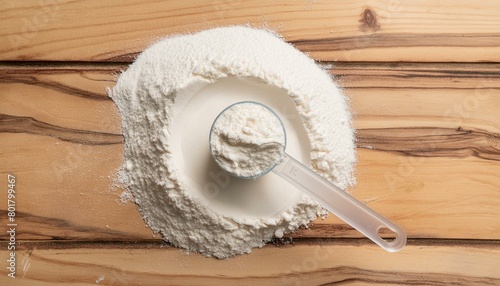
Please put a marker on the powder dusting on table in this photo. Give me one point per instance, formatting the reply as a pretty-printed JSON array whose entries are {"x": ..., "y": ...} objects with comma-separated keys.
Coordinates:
[{"x": 149, "y": 90}]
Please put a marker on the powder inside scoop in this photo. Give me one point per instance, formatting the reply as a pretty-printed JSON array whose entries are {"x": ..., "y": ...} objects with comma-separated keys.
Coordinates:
[{"x": 247, "y": 140}]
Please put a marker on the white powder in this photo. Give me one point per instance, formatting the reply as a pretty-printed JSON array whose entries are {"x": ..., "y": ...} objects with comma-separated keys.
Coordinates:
[
  {"x": 247, "y": 139},
  {"x": 155, "y": 85}
]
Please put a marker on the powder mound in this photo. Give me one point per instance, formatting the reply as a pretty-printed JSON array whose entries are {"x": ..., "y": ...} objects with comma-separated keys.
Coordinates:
[
  {"x": 148, "y": 94},
  {"x": 247, "y": 140}
]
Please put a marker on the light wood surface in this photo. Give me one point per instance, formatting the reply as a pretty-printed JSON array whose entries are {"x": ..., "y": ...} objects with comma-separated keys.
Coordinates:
[
  {"x": 79, "y": 148},
  {"x": 390, "y": 30},
  {"x": 308, "y": 263},
  {"x": 428, "y": 138}
]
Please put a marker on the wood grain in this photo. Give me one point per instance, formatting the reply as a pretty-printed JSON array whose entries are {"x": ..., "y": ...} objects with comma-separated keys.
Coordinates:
[
  {"x": 414, "y": 141},
  {"x": 348, "y": 262},
  {"x": 432, "y": 142},
  {"x": 417, "y": 31},
  {"x": 18, "y": 124},
  {"x": 415, "y": 149},
  {"x": 423, "y": 79}
]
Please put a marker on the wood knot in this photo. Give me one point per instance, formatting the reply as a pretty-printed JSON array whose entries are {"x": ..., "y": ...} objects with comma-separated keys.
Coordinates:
[{"x": 369, "y": 21}]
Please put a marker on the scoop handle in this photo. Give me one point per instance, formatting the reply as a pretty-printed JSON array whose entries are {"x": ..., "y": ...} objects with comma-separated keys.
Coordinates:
[{"x": 343, "y": 205}]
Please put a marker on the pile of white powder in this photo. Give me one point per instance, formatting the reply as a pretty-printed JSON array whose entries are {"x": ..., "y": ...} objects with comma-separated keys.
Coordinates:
[
  {"x": 247, "y": 139},
  {"x": 147, "y": 94}
]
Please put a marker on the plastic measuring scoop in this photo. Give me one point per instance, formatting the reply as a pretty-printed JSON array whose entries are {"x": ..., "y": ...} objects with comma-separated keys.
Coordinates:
[
  {"x": 331, "y": 197},
  {"x": 341, "y": 204}
]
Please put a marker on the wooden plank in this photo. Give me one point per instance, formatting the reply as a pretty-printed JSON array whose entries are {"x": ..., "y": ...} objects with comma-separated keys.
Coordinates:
[
  {"x": 416, "y": 165},
  {"x": 480, "y": 77},
  {"x": 71, "y": 97},
  {"x": 429, "y": 197},
  {"x": 460, "y": 92},
  {"x": 417, "y": 31},
  {"x": 65, "y": 190},
  {"x": 315, "y": 263}
]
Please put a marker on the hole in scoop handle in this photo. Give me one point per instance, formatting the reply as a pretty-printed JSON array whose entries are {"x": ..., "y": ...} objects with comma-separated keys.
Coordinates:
[{"x": 343, "y": 205}]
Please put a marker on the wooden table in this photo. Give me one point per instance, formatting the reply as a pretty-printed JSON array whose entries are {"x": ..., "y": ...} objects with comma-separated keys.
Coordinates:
[{"x": 423, "y": 79}]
